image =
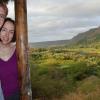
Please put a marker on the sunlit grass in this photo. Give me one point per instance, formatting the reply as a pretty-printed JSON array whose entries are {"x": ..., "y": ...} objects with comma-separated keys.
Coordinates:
[{"x": 55, "y": 70}]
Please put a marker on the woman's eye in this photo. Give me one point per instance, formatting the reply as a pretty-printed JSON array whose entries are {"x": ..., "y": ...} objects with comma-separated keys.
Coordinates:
[
  {"x": 12, "y": 32},
  {"x": 3, "y": 30}
]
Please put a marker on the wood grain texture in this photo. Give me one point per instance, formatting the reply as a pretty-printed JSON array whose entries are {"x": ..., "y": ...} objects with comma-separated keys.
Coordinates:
[{"x": 22, "y": 49}]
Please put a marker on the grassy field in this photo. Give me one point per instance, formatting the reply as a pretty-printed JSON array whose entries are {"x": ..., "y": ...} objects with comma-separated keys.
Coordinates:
[{"x": 65, "y": 73}]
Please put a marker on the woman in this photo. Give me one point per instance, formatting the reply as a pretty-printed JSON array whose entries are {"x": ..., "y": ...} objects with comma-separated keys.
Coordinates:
[
  {"x": 3, "y": 13},
  {"x": 8, "y": 61}
]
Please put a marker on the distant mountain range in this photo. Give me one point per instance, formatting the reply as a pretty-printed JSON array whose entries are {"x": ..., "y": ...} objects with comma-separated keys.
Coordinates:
[{"x": 90, "y": 36}]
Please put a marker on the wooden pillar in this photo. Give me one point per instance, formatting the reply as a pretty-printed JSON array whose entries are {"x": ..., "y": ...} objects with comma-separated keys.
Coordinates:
[{"x": 22, "y": 48}]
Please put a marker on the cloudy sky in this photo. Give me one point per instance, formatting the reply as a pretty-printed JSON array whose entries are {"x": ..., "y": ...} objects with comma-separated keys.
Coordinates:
[{"x": 59, "y": 19}]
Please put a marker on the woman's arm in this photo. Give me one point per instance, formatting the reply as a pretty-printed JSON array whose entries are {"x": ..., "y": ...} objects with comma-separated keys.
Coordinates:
[{"x": 1, "y": 93}]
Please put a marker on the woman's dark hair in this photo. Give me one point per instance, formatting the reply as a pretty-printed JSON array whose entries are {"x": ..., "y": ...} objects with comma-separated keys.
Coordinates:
[{"x": 13, "y": 22}]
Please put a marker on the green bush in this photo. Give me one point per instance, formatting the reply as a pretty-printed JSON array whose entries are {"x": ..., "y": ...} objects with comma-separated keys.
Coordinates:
[{"x": 49, "y": 82}]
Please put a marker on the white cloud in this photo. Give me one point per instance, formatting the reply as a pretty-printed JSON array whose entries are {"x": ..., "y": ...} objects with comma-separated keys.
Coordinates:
[
  {"x": 60, "y": 19},
  {"x": 11, "y": 12}
]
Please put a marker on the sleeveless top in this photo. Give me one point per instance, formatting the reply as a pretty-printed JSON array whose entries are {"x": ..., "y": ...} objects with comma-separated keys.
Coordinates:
[{"x": 9, "y": 76}]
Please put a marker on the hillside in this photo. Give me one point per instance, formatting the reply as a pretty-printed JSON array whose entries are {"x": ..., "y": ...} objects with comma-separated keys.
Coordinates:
[
  {"x": 49, "y": 43},
  {"x": 88, "y": 37},
  {"x": 92, "y": 35}
]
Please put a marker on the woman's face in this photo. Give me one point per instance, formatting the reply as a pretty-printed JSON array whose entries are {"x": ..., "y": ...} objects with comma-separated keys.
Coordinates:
[
  {"x": 7, "y": 32},
  {"x": 2, "y": 16}
]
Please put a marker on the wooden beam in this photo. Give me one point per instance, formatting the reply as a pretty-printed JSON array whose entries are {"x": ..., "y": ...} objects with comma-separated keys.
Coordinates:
[{"x": 22, "y": 49}]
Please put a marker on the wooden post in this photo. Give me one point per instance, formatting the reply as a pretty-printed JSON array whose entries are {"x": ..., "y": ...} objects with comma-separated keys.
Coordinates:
[{"x": 22, "y": 49}]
